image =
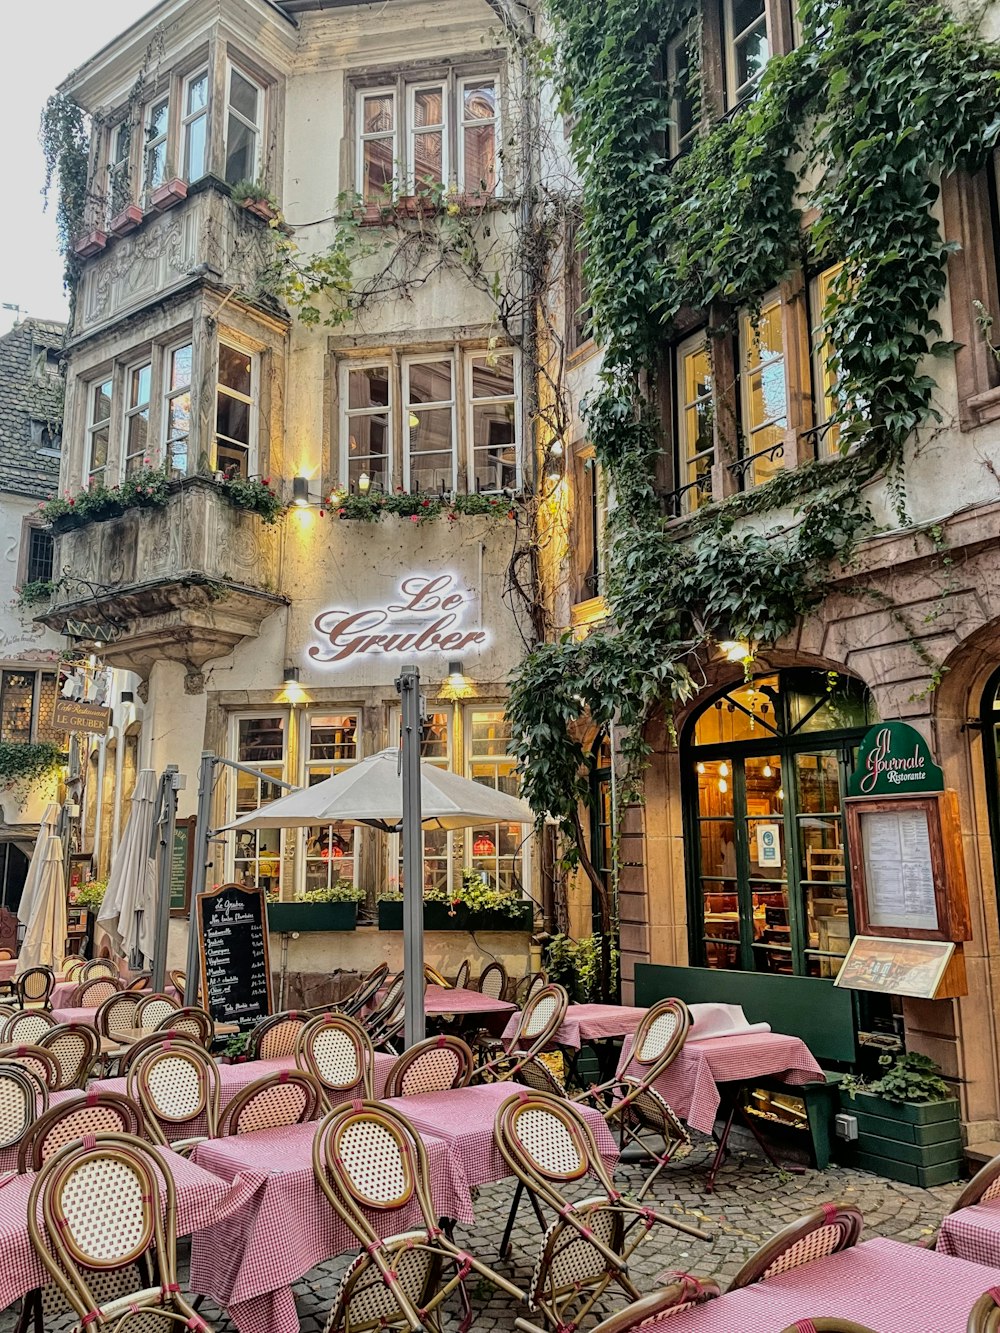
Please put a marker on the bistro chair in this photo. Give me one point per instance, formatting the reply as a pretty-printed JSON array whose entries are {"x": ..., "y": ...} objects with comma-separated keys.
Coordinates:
[
  {"x": 384, "y": 1029},
  {"x": 284, "y": 1097},
  {"x": 523, "y": 990},
  {"x": 434, "y": 1065},
  {"x": 984, "y": 1317},
  {"x": 70, "y": 964},
  {"x": 434, "y": 978},
  {"x": 368, "y": 987},
  {"x": 189, "y": 1021},
  {"x": 7, "y": 1011},
  {"x": 42, "y": 1063},
  {"x": 93, "y": 1112},
  {"x": 461, "y": 981},
  {"x": 982, "y": 1188},
  {"x": 547, "y": 1144},
  {"x": 25, "y": 1025},
  {"x": 178, "y": 979},
  {"x": 533, "y": 1072},
  {"x": 387, "y": 1004},
  {"x": 826, "y": 1230},
  {"x": 101, "y": 967},
  {"x": 22, "y": 1098},
  {"x": 153, "y": 1009},
  {"x": 143, "y": 982},
  {"x": 337, "y": 1051},
  {"x": 101, "y": 1218},
  {"x": 76, "y": 1047},
  {"x": 116, "y": 1013},
  {"x": 684, "y": 1294},
  {"x": 493, "y": 981},
  {"x": 34, "y": 987},
  {"x": 91, "y": 994},
  {"x": 176, "y": 1084},
  {"x": 276, "y": 1036},
  {"x": 368, "y": 1159},
  {"x": 132, "y": 1052},
  {"x": 538, "y": 1022},
  {"x": 836, "y": 1325}
]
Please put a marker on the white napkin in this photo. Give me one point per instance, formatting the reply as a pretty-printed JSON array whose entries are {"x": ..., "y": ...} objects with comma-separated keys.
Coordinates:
[{"x": 721, "y": 1020}]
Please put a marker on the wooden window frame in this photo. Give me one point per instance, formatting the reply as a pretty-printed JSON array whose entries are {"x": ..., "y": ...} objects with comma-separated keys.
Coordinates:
[
  {"x": 469, "y": 357},
  {"x": 970, "y": 204},
  {"x": 30, "y": 524}
]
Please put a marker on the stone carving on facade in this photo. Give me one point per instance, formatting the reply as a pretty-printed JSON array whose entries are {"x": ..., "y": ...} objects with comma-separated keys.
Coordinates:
[
  {"x": 141, "y": 264},
  {"x": 194, "y": 681}
]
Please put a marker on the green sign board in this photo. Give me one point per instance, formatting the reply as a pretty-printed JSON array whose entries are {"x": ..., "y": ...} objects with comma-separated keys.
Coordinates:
[
  {"x": 180, "y": 867},
  {"x": 894, "y": 760}
]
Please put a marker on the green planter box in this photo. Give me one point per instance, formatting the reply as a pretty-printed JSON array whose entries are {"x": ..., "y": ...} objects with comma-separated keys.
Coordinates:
[
  {"x": 286, "y": 917},
  {"x": 438, "y": 917},
  {"x": 916, "y": 1142}
]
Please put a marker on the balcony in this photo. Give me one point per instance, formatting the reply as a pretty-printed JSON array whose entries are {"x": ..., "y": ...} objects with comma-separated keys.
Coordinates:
[{"x": 188, "y": 582}]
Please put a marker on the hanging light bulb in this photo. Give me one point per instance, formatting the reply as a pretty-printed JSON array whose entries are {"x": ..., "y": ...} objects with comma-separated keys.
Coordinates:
[
  {"x": 781, "y": 794},
  {"x": 768, "y": 772},
  {"x": 723, "y": 770},
  {"x": 701, "y": 767},
  {"x": 723, "y": 785}
]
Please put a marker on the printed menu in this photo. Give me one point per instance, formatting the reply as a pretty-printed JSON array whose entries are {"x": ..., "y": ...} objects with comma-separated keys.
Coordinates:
[{"x": 899, "y": 872}]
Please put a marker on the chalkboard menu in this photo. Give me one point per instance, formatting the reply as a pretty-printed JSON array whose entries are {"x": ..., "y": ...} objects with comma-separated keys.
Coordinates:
[
  {"x": 235, "y": 968},
  {"x": 181, "y": 865}
]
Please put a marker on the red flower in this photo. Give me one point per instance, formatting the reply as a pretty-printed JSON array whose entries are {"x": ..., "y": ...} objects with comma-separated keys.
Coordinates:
[
  {"x": 341, "y": 512},
  {"x": 452, "y": 517},
  {"x": 265, "y": 481},
  {"x": 425, "y": 504},
  {"x": 72, "y": 502},
  {"x": 414, "y": 518},
  {"x": 322, "y": 513}
]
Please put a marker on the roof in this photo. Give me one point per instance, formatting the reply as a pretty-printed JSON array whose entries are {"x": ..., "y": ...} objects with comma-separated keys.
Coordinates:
[{"x": 31, "y": 407}]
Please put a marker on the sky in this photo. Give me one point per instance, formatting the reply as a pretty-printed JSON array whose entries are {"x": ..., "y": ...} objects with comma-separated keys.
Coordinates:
[{"x": 39, "y": 58}]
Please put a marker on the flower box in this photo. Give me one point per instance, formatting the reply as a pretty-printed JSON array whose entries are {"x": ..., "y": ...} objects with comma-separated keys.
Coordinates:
[
  {"x": 125, "y": 221},
  {"x": 916, "y": 1142},
  {"x": 286, "y": 917},
  {"x": 90, "y": 244},
  {"x": 438, "y": 916},
  {"x": 260, "y": 208},
  {"x": 169, "y": 193}
]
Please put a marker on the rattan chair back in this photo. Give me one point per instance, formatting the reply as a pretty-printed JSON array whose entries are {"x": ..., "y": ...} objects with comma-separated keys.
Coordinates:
[
  {"x": 34, "y": 986},
  {"x": 75, "y": 1046},
  {"x": 434, "y": 978},
  {"x": 175, "y": 1083},
  {"x": 101, "y": 967},
  {"x": 101, "y": 1212},
  {"x": 116, "y": 1013},
  {"x": 153, "y": 1009},
  {"x": 661, "y": 1033},
  {"x": 178, "y": 979},
  {"x": 684, "y": 1294},
  {"x": 826, "y": 1230},
  {"x": 984, "y": 1186},
  {"x": 7, "y": 1011},
  {"x": 277, "y": 1035},
  {"x": 368, "y": 987},
  {"x": 389, "y": 1001},
  {"x": 338, "y": 1052},
  {"x": 493, "y": 981},
  {"x": 286, "y": 1097},
  {"x": 143, "y": 982},
  {"x": 835, "y": 1325},
  {"x": 434, "y": 1065},
  {"x": 526, "y": 988},
  {"x": 984, "y": 1317},
  {"x": 383, "y": 1027},
  {"x": 135, "y": 1049},
  {"x": 462, "y": 976},
  {"x": 93, "y": 1112},
  {"x": 42, "y": 1063},
  {"x": 535, "y": 1073},
  {"x": 93, "y": 992},
  {"x": 25, "y": 1025},
  {"x": 72, "y": 964},
  {"x": 189, "y": 1021},
  {"x": 23, "y": 1097}
]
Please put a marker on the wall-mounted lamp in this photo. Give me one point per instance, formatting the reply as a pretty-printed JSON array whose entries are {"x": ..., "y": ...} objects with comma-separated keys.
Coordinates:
[
  {"x": 127, "y": 696},
  {"x": 364, "y": 482},
  {"x": 736, "y": 650},
  {"x": 300, "y": 491},
  {"x": 456, "y": 674},
  {"x": 291, "y": 676}
]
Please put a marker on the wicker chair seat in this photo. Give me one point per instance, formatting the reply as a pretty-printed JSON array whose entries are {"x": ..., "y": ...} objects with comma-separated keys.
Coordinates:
[
  {"x": 566, "y": 1261},
  {"x": 363, "y": 1298}
]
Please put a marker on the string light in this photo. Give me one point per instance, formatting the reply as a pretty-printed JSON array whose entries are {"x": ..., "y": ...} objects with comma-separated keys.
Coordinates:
[
  {"x": 723, "y": 785},
  {"x": 768, "y": 772},
  {"x": 701, "y": 767},
  {"x": 723, "y": 770}
]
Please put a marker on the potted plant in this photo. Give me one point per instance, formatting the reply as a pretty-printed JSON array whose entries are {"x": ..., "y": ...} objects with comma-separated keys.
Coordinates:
[
  {"x": 90, "y": 243},
  {"x": 908, "y": 1122},
  {"x": 472, "y": 906},
  {"x": 125, "y": 221},
  {"x": 164, "y": 196},
  {"x": 256, "y": 198},
  {"x": 235, "y": 1050},
  {"x": 335, "y": 908}
]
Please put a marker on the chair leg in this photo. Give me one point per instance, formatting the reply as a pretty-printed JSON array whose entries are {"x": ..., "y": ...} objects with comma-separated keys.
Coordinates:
[
  {"x": 505, "y": 1243},
  {"x": 661, "y": 1162},
  {"x": 721, "y": 1151}
]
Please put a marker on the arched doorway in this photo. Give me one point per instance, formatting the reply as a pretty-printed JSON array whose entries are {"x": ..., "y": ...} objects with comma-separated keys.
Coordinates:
[{"x": 765, "y": 769}]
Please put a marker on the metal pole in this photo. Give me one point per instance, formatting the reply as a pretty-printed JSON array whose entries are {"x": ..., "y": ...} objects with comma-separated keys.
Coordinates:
[
  {"x": 408, "y": 686},
  {"x": 203, "y": 832},
  {"x": 164, "y": 861}
]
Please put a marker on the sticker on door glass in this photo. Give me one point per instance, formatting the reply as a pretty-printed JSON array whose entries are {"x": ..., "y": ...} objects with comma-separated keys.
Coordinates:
[{"x": 768, "y": 845}]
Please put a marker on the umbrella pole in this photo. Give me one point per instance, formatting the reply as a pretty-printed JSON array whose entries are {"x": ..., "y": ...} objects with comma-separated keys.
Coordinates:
[
  {"x": 164, "y": 864},
  {"x": 408, "y": 686}
]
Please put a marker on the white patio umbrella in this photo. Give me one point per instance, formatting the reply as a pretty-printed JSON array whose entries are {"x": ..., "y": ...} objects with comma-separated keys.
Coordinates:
[
  {"x": 44, "y": 940},
  {"x": 46, "y": 829},
  {"x": 128, "y": 912}
]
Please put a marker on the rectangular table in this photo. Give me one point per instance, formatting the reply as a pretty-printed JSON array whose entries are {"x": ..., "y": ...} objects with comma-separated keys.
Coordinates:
[
  {"x": 279, "y": 1224},
  {"x": 590, "y": 1022},
  {"x": 200, "y": 1198},
  {"x": 973, "y": 1233},
  {"x": 881, "y": 1284}
]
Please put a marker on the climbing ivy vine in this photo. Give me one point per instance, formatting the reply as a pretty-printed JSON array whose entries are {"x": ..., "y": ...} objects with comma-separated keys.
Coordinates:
[{"x": 855, "y": 126}]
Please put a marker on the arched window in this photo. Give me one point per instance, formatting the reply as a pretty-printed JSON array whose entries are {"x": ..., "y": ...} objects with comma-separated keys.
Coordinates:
[{"x": 765, "y": 769}]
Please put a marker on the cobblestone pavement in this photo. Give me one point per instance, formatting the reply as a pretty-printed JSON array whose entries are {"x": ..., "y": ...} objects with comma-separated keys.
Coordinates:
[{"x": 751, "y": 1201}]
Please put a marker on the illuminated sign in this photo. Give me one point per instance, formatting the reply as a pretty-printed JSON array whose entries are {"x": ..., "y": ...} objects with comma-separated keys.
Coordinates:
[{"x": 432, "y": 615}]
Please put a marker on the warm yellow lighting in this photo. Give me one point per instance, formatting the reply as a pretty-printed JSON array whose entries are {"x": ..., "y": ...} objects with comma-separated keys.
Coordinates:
[
  {"x": 781, "y": 794},
  {"x": 413, "y": 421},
  {"x": 768, "y": 771},
  {"x": 701, "y": 767},
  {"x": 292, "y": 693},
  {"x": 364, "y": 481},
  {"x": 723, "y": 785},
  {"x": 723, "y": 770},
  {"x": 557, "y": 450},
  {"x": 735, "y": 650}
]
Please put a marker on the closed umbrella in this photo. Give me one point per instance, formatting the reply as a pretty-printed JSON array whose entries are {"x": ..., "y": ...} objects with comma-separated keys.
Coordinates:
[
  {"x": 48, "y": 827},
  {"x": 44, "y": 940},
  {"x": 128, "y": 912}
]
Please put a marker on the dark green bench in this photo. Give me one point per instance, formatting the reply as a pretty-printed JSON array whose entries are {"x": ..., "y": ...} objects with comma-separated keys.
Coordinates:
[{"x": 811, "y": 1008}]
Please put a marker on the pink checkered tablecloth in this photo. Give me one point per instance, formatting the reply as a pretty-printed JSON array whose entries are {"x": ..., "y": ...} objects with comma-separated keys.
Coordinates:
[
  {"x": 590, "y": 1022},
  {"x": 7, "y": 966},
  {"x": 456, "y": 1000},
  {"x": 285, "y": 1225},
  {"x": 83, "y": 1014},
  {"x": 881, "y": 1284},
  {"x": 690, "y": 1084},
  {"x": 233, "y": 1078},
  {"x": 464, "y": 1119},
  {"x": 973, "y": 1233},
  {"x": 200, "y": 1196}
]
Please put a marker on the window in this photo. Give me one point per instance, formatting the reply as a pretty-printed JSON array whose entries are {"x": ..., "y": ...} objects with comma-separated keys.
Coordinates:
[
  {"x": 98, "y": 433},
  {"x": 331, "y": 850},
  {"x": 430, "y": 455},
  {"x": 427, "y": 163},
  {"x": 764, "y": 402},
  {"x": 27, "y": 700},
  {"x": 39, "y": 546},
  {"x": 367, "y": 429},
  {"x": 137, "y": 417},
  {"x": 591, "y": 515},
  {"x": 478, "y": 162},
  {"x": 194, "y": 125},
  {"x": 493, "y": 423},
  {"x": 154, "y": 160},
  {"x": 259, "y": 742},
  {"x": 695, "y": 418},
  {"x": 579, "y": 308},
  {"x": 119, "y": 169},
  {"x": 824, "y": 374},
  {"x": 493, "y": 849},
  {"x": 235, "y": 415},
  {"x": 244, "y": 127},
  {"x": 747, "y": 49},
  {"x": 177, "y": 407},
  {"x": 682, "y": 74},
  {"x": 435, "y": 748},
  {"x": 376, "y": 144}
]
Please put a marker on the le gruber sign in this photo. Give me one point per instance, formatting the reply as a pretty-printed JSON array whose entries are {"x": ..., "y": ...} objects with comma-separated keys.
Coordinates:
[
  {"x": 894, "y": 760},
  {"x": 434, "y": 613}
]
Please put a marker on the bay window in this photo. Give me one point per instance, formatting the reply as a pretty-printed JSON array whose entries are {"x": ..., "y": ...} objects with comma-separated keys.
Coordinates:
[
  {"x": 119, "y": 169},
  {"x": 478, "y": 163},
  {"x": 429, "y": 458},
  {"x": 244, "y": 126},
  {"x": 694, "y": 424},
  {"x": 331, "y": 849},
  {"x": 492, "y": 423},
  {"x": 137, "y": 416},
  {"x": 236, "y": 411},
  {"x": 824, "y": 373},
  {"x": 428, "y": 150},
  {"x": 154, "y": 160},
  {"x": 194, "y": 125},
  {"x": 98, "y": 434},
  {"x": 177, "y": 407},
  {"x": 763, "y": 393},
  {"x": 747, "y": 49}
]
